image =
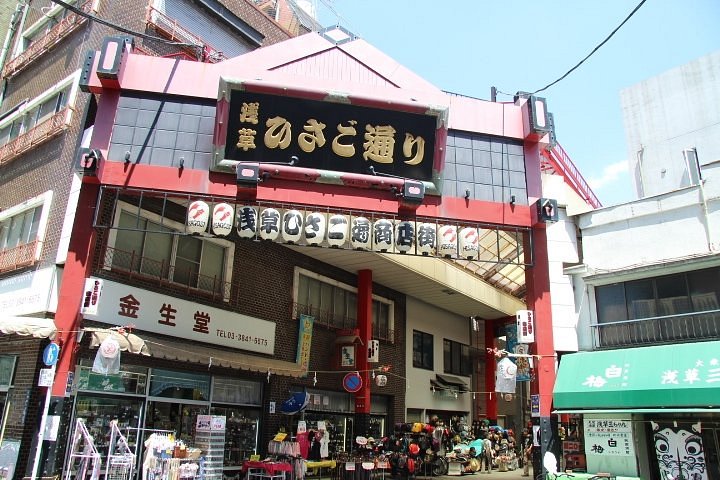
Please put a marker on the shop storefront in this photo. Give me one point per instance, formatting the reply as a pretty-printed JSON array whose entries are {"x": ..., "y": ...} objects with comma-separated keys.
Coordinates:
[
  {"x": 335, "y": 409},
  {"x": 648, "y": 412},
  {"x": 153, "y": 400}
]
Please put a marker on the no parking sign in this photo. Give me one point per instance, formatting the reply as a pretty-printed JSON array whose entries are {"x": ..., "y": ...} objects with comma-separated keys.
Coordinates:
[{"x": 352, "y": 382}]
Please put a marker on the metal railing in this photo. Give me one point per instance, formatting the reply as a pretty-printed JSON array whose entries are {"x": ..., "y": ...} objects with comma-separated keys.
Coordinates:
[
  {"x": 171, "y": 29},
  {"x": 133, "y": 265},
  {"x": 559, "y": 162},
  {"x": 658, "y": 330},
  {"x": 335, "y": 321},
  {"x": 18, "y": 257},
  {"x": 40, "y": 133},
  {"x": 42, "y": 44}
]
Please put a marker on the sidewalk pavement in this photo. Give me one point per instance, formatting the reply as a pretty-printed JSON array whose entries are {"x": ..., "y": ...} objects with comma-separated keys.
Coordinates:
[{"x": 510, "y": 475}]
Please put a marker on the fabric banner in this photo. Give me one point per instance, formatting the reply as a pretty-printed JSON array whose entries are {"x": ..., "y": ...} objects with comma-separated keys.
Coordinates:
[{"x": 304, "y": 342}]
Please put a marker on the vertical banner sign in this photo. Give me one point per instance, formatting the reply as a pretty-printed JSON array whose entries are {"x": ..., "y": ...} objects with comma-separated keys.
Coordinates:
[
  {"x": 304, "y": 341},
  {"x": 512, "y": 346}
]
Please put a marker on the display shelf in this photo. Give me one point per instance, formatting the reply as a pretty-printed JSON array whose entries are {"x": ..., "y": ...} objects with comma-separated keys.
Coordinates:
[{"x": 210, "y": 437}]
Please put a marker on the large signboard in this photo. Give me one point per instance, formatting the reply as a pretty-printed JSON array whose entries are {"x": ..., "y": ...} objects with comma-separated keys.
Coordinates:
[
  {"x": 122, "y": 304},
  {"x": 329, "y": 132}
]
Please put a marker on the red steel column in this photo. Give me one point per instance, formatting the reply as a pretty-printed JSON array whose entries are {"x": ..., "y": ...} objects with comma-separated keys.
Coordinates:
[
  {"x": 364, "y": 323},
  {"x": 78, "y": 266},
  {"x": 537, "y": 281}
]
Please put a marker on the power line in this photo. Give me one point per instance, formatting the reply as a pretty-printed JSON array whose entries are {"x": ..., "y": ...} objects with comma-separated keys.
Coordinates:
[
  {"x": 594, "y": 49},
  {"x": 120, "y": 28}
]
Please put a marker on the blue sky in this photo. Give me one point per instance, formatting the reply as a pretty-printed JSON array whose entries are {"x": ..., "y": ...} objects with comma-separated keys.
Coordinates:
[{"x": 467, "y": 46}]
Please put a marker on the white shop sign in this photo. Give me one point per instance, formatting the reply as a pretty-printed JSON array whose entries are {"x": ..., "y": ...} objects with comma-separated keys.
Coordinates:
[
  {"x": 29, "y": 293},
  {"x": 153, "y": 312}
]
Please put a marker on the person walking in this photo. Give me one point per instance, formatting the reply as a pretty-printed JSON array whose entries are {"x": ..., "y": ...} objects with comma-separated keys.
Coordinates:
[
  {"x": 527, "y": 446},
  {"x": 487, "y": 455}
]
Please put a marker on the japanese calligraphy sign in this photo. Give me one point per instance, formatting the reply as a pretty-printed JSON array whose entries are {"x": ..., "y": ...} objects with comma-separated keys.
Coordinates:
[
  {"x": 304, "y": 341},
  {"x": 609, "y": 437},
  {"x": 682, "y": 375},
  {"x": 326, "y": 135},
  {"x": 153, "y": 312}
]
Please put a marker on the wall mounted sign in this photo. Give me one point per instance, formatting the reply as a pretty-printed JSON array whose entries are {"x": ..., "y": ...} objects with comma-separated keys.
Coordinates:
[
  {"x": 347, "y": 136},
  {"x": 153, "y": 312}
]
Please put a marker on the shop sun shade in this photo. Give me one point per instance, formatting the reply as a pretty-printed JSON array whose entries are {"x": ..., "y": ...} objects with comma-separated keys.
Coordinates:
[{"x": 658, "y": 377}]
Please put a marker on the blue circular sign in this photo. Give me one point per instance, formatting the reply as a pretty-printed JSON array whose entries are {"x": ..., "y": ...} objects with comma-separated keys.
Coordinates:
[
  {"x": 352, "y": 382},
  {"x": 51, "y": 354}
]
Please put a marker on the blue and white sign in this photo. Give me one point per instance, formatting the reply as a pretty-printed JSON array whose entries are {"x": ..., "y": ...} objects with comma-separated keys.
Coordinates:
[{"x": 51, "y": 354}]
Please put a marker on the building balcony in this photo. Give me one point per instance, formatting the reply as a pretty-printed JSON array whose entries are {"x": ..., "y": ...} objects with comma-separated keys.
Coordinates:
[
  {"x": 40, "y": 133},
  {"x": 129, "y": 265},
  {"x": 338, "y": 322},
  {"x": 196, "y": 47},
  {"x": 37, "y": 48},
  {"x": 680, "y": 328},
  {"x": 18, "y": 257}
]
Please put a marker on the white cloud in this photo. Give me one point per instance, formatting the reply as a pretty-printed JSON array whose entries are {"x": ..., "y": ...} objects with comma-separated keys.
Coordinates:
[{"x": 609, "y": 175}]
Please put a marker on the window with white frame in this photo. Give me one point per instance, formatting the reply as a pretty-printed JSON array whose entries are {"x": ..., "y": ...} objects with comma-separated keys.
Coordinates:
[
  {"x": 52, "y": 16},
  {"x": 39, "y": 109},
  {"x": 25, "y": 223},
  {"x": 151, "y": 245},
  {"x": 335, "y": 304}
]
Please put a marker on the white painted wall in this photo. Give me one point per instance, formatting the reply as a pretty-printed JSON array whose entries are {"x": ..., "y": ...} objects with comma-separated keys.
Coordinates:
[
  {"x": 442, "y": 325},
  {"x": 562, "y": 249},
  {"x": 670, "y": 112},
  {"x": 663, "y": 234}
]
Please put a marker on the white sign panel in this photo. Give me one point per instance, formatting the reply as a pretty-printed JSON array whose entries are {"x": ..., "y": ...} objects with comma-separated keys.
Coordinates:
[
  {"x": 29, "y": 293},
  {"x": 608, "y": 437},
  {"x": 46, "y": 377},
  {"x": 153, "y": 312},
  {"x": 91, "y": 296}
]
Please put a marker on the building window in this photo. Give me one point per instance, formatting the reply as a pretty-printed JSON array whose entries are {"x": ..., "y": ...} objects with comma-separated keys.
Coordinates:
[
  {"x": 456, "y": 358},
  {"x": 22, "y": 230},
  {"x": 677, "y": 294},
  {"x": 334, "y": 304},
  {"x": 681, "y": 306},
  {"x": 147, "y": 244},
  {"x": 41, "y": 28},
  {"x": 422, "y": 350},
  {"x": 39, "y": 110},
  {"x": 7, "y": 372}
]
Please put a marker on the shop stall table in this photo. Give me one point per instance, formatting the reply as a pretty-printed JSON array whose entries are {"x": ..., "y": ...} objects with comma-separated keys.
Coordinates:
[{"x": 267, "y": 470}]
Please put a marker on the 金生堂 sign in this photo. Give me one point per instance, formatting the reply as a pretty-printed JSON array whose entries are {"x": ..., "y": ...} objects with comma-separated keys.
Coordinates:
[
  {"x": 326, "y": 135},
  {"x": 153, "y": 312}
]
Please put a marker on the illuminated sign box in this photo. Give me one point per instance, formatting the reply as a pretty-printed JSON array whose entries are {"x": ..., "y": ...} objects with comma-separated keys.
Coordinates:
[{"x": 327, "y": 132}]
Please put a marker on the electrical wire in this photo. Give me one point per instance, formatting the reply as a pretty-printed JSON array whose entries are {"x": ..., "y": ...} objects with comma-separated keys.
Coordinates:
[
  {"x": 120, "y": 28},
  {"x": 593, "y": 50}
]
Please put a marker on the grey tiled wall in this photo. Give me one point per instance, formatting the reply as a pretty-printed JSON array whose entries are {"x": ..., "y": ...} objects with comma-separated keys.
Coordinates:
[
  {"x": 163, "y": 131},
  {"x": 490, "y": 168}
]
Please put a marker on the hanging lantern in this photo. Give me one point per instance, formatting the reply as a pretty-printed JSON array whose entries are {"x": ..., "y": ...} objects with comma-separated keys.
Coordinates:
[
  {"x": 292, "y": 226},
  {"x": 269, "y": 224},
  {"x": 382, "y": 235},
  {"x": 197, "y": 216},
  {"x": 337, "y": 230},
  {"x": 426, "y": 238},
  {"x": 405, "y": 236},
  {"x": 381, "y": 380},
  {"x": 223, "y": 216},
  {"x": 469, "y": 242},
  {"x": 315, "y": 228},
  {"x": 447, "y": 243},
  {"x": 360, "y": 233},
  {"x": 246, "y": 220}
]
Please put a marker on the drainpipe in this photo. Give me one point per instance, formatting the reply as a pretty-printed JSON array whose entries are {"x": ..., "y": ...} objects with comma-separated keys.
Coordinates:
[{"x": 14, "y": 19}]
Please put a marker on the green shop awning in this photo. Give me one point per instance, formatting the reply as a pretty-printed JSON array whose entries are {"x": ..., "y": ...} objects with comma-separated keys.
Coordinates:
[{"x": 658, "y": 377}]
